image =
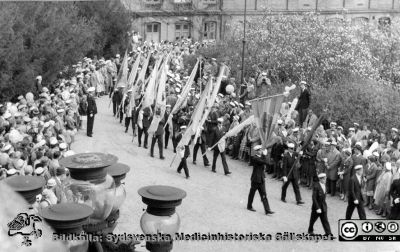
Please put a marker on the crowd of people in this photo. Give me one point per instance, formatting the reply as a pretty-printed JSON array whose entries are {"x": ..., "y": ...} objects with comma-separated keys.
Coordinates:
[
  {"x": 339, "y": 154},
  {"x": 361, "y": 166},
  {"x": 37, "y": 131}
]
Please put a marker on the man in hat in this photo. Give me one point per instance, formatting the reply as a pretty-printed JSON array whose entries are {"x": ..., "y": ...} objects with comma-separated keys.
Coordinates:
[
  {"x": 355, "y": 194},
  {"x": 201, "y": 143},
  {"x": 91, "y": 111},
  {"x": 116, "y": 99},
  {"x": 290, "y": 174},
  {"x": 357, "y": 158},
  {"x": 146, "y": 121},
  {"x": 158, "y": 136},
  {"x": 310, "y": 119},
  {"x": 395, "y": 195},
  {"x": 258, "y": 161},
  {"x": 334, "y": 161},
  {"x": 184, "y": 152},
  {"x": 128, "y": 110},
  {"x": 319, "y": 208},
  {"x": 303, "y": 102},
  {"x": 167, "y": 129},
  {"x": 216, "y": 135}
]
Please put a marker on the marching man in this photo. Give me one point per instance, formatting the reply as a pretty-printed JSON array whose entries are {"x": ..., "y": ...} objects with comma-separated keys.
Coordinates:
[
  {"x": 258, "y": 179},
  {"x": 319, "y": 208}
]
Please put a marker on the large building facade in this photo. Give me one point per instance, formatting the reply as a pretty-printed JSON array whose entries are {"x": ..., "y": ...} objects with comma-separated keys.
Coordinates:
[{"x": 158, "y": 20}]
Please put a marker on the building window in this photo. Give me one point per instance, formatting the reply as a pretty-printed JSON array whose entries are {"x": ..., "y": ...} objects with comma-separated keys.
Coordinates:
[
  {"x": 384, "y": 21},
  {"x": 334, "y": 21},
  {"x": 182, "y": 30},
  {"x": 182, "y": 1},
  {"x": 210, "y": 30},
  {"x": 360, "y": 21},
  {"x": 153, "y": 32},
  {"x": 152, "y": 1}
]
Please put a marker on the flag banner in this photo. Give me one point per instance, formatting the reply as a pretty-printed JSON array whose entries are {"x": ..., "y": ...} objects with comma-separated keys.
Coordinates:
[
  {"x": 123, "y": 73},
  {"x": 266, "y": 114},
  {"x": 217, "y": 86},
  {"x": 212, "y": 96},
  {"x": 134, "y": 71},
  {"x": 292, "y": 107},
  {"x": 159, "y": 108},
  {"x": 141, "y": 77},
  {"x": 204, "y": 114},
  {"x": 150, "y": 92},
  {"x": 185, "y": 90},
  {"x": 197, "y": 116},
  {"x": 235, "y": 130}
]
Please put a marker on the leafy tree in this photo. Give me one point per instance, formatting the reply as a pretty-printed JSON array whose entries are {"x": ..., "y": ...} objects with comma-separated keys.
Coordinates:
[
  {"x": 114, "y": 22},
  {"x": 39, "y": 39},
  {"x": 353, "y": 69}
]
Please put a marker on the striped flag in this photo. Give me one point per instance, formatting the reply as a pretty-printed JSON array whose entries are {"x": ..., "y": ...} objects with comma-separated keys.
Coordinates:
[
  {"x": 133, "y": 73},
  {"x": 292, "y": 107},
  {"x": 160, "y": 105},
  {"x": 141, "y": 77},
  {"x": 266, "y": 113},
  {"x": 123, "y": 72},
  {"x": 150, "y": 93},
  {"x": 211, "y": 97},
  {"x": 185, "y": 90}
]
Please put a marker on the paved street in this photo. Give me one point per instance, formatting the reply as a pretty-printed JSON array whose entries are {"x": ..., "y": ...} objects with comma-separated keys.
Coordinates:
[{"x": 214, "y": 202}]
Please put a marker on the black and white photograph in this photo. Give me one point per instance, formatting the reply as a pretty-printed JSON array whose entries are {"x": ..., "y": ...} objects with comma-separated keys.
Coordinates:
[{"x": 200, "y": 125}]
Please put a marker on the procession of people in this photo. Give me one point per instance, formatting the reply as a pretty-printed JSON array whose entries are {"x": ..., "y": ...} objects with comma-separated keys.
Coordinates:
[{"x": 202, "y": 108}]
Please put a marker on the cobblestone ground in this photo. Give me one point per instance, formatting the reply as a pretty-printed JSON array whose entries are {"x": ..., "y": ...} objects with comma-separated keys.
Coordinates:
[{"x": 215, "y": 202}]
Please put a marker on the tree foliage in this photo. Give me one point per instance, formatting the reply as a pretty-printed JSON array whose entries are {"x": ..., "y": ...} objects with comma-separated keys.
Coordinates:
[
  {"x": 352, "y": 68},
  {"x": 41, "y": 38}
]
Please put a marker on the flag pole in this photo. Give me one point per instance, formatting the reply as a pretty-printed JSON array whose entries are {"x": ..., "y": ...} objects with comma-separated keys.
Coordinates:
[
  {"x": 306, "y": 142},
  {"x": 265, "y": 97}
]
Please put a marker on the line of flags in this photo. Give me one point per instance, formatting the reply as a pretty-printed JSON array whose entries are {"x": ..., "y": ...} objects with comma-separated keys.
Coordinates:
[{"x": 266, "y": 110}]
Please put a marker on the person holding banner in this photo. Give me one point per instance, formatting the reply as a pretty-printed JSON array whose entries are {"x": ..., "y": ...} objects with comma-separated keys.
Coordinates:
[
  {"x": 258, "y": 180},
  {"x": 184, "y": 153},
  {"x": 216, "y": 135},
  {"x": 145, "y": 123},
  {"x": 167, "y": 130},
  {"x": 201, "y": 143},
  {"x": 158, "y": 136},
  {"x": 289, "y": 160}
]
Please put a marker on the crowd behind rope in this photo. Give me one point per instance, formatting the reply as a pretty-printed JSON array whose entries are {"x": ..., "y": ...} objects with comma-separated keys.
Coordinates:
[{"x": 36, "y": 133}]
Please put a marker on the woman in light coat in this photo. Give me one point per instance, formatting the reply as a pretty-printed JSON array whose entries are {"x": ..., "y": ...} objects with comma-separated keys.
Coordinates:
[{"x": 381, "y": 195}]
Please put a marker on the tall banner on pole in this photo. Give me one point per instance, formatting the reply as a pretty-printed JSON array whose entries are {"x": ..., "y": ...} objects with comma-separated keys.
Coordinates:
[{"x": 266, "y": 113}]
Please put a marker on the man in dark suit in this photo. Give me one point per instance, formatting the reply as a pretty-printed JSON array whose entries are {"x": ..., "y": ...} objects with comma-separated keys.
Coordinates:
[
  {"x": 216, "y": 135},
  {"x": 167, "y": 130},
  {"x": 303, "y": 102},
  {"x": 201, "y": 143},
  {"x": 135, "y": 115},
  {"x": 91, "y": 111},
  {"x": 355, "y": 196},
  {"x": 175, "y": 131},
  {"x": 116, "y": 99},
  {"x": 290, "y": 176},
  {"x": 158, "y": 136},
  {"x": 319, "y": 208},
  {"x": 186, "y": 152},
  {"x": 258, "y": 180},
  {"x": 395, "y": 194},
  {"x": 128, "y": 110},
  {"x": 146, "y": 121}
]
